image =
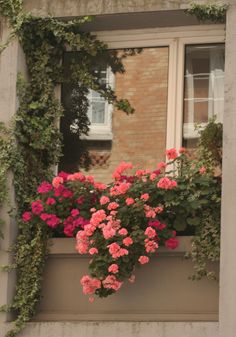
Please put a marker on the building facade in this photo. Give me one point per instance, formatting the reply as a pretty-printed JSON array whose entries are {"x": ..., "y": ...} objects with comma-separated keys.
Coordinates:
[{"x": 183, "y": 75}]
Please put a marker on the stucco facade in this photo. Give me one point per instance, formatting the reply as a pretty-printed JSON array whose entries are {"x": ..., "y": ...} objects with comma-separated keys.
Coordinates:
[{"x": 143, "y": 14}]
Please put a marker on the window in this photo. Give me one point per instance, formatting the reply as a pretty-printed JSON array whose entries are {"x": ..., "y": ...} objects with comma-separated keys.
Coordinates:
[
  {"x": 100, "y": 111},
  {"x": 176, "y": 82},
  {"x": 203, "y": 88}
]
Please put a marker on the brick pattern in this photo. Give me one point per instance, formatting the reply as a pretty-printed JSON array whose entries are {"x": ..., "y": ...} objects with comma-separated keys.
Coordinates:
[{"x": 141, "y": 137}]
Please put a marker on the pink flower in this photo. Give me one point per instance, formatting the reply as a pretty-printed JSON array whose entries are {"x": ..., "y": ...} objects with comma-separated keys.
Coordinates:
[
  {"x": 26, "y": 216},
  {"x": 127, "y": 241},
  {"x": 113, "y": 268},
  {"x": 74, "y": 212},
  {"x": 144, "y": 196},
  {"x": 120, "y": 188},
  {"x": 113, "y": 248},
  {"x": 104, "y": 200},
  {"x": 150, "y": 246},
  {"x": 123, "y": 231},
  {"x": 182, "y": 150},
  {"x": 172, "y": 243},
  {"x": 123, "y": 252},
  {"x": 44, "y": 187},
  {"x": 120, "y": 169},
  {"x": 90, "y": 285},
  {"x": 166, "y": 183},
  {"x": 100, "y": 186},
  {"x": 50, "y": 201},
  {"x": 150, "y": 232},
  {"x": 112, "y": 205},
  {"x": 149, "y": 211},
  {"x": 69, "y": 230},
  {"x": 159, "y": 209},
  {"x": 76, "y": 176},
  {"x": 57, "y": 181},
  {"x": 63, "y": 174},
  {"x": 90, "y": 179},
  {"x": 202, "y": 170},
  {"x": 111, "y": 282},
  {"x": 153, "y": 176},
  {"x": 129, "y": 201},
  {"x": 37, "y": 207},
  {"x": 80, "y": 200},
  {"x": 171, "y": 153},
  {"x": 161, "y": 165},
  {"x": 108, "y": 232},
  {"x": 157, "y": 224},
  {"x": 91, "y": 299},
  {"x": 93, "y": 251},
  {"x": 143, "y": 259}
]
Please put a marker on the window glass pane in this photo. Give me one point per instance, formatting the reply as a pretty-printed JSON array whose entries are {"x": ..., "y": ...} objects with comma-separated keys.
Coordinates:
[
  {"x": 98, "y": 112},
  {"x": 203, "y": 88}
]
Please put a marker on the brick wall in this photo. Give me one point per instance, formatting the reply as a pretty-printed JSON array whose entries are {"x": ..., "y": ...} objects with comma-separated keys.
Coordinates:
[{"x": 139, "y": 138}]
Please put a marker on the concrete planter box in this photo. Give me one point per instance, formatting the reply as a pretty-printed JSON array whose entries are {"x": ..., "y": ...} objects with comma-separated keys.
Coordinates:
[{"x": 162, "y": 291}]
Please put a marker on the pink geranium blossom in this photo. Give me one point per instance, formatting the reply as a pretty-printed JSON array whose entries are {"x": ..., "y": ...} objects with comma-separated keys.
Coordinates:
[
  {"x": 93, "y": 251},
  {"x": 150, "y": 232},
  {"x": 166, "y": 183},
  {"x": 172, "y": 243},
  {"x": 127, "y": 241},
  {"x": 202, "y": 170},
  {"x": 45, "y": 187},
  {"x": 37, "y": 207},
  {"x": 113, "y": 268},
  {"x": 123, "y": 231},
  {"x": 143, "y": 259},
  {"x": 129, "y": 201},
  {"x": 57, "y": 181},
  {"x": 144, "y": 196},
  {"x": 104, "y": 200},
  {"x": 171, "y": 154},
  {"x": 26, "y": 216}
]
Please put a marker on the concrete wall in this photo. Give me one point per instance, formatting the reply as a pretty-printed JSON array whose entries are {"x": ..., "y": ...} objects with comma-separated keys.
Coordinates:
[
  {"x": 120, "y": 329},
  {"x": 228, "y": 232},
  {"x": 96, "y": 7}
]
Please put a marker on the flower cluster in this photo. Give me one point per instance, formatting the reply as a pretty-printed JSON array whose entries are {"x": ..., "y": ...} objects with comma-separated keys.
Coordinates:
[
  {"x": 121, "y": 225},
  {"x": 64, "y": 204}
]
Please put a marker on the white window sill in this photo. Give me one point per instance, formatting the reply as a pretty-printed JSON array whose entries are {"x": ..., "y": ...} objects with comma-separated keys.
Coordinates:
[{"x": 98, "y": 136}]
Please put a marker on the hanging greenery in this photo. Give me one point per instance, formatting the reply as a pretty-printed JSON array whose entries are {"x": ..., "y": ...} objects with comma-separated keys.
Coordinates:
[
  {"x": 208, "y": 12},
  {"x": 206, "y": 241}
]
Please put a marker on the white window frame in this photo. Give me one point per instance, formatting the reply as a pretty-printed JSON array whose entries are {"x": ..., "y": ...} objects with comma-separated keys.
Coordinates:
[
  {"x": 103, "y": 131},
  {"x": 175, "y": 38}
]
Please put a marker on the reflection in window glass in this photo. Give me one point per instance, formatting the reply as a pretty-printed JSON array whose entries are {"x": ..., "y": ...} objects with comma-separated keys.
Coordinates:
[
  {"x": 97, "y": 104},
  {"x": 204, "y": 88}
]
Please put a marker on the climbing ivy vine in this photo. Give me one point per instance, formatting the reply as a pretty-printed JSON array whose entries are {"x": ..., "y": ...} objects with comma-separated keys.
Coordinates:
[{"x": 39, "y": 142}]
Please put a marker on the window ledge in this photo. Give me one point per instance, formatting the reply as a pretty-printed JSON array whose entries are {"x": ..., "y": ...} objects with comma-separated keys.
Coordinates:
[{"x": 98, "y": 136}]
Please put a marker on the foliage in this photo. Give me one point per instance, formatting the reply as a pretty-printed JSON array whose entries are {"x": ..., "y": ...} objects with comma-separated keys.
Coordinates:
[
  {"x": 121, "y": 225},
  {"x": 6, "y": 148},
  {"x": 208, "y": 12},
  {"x": 210, "y": 144},
  {"x": 206, "y": 242},
  {"x": 38, "y": 146}
]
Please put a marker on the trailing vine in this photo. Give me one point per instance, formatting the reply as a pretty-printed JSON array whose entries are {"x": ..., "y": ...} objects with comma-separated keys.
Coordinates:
[
  {"x": 208, "y": 12},
  {"x": 39, "y": 142},
  {"x": 206, "y": 241}
]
